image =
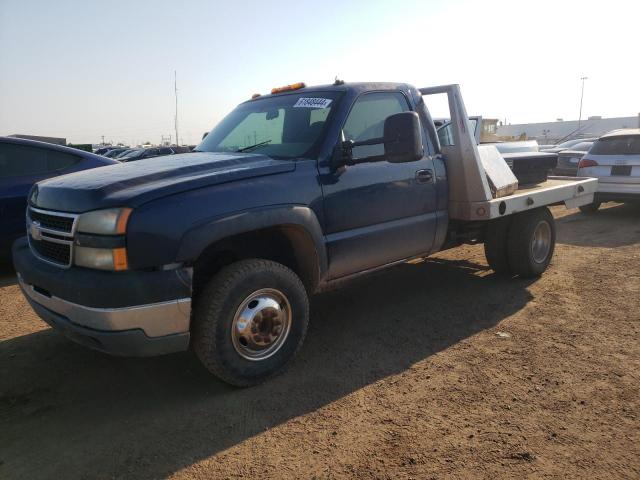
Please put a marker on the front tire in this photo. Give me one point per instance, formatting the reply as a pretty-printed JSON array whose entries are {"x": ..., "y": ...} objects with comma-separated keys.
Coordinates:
[
  {"x": 532, "y": 240},
  {"x": 250, "y": 321}
]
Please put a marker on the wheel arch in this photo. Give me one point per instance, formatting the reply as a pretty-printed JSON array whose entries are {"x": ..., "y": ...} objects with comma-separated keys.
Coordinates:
[{"x": 290, "y": 235}]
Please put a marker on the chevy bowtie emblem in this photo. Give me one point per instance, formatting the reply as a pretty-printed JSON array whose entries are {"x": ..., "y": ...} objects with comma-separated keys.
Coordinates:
[
  {"x": 35, "y": 231},
  {"x": 34, "y": 195}
]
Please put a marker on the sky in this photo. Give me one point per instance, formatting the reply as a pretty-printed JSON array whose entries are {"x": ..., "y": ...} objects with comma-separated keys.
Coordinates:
[{"x": 83, "y": 69}]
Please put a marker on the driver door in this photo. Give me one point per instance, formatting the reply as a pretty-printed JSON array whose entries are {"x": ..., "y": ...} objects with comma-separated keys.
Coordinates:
[{"x": 377, "y": 213}]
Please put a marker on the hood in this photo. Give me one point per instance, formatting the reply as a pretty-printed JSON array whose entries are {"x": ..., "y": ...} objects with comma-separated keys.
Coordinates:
[{"x": 135, "y": 183}]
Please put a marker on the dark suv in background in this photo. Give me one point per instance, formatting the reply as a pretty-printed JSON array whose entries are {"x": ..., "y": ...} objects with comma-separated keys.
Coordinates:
[{"x": 25, "y": 162}]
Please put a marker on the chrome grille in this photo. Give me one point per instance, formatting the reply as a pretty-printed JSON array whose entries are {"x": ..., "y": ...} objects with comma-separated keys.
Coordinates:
[
  {"x": 55, "y": 252},
  {"x": 47, "y": 220},
  {"x": 51, "y": 235}
]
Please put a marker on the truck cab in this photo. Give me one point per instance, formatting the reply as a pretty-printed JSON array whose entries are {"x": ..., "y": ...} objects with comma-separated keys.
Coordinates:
[{"x": 292, "y": 192}]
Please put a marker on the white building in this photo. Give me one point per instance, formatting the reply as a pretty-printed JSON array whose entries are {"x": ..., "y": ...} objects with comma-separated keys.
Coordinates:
[{"x": 552, "y": 132}]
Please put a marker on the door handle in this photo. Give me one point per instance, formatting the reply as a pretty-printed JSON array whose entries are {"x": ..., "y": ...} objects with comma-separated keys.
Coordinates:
[{"x": 424, "y": 176}]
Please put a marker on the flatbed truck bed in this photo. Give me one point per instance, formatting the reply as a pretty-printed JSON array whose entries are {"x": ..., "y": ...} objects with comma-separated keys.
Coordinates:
[{"x": 570, "y": 191}]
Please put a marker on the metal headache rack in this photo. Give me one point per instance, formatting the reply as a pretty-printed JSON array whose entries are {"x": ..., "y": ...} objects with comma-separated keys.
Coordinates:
[{"x": 470, "y": 193}]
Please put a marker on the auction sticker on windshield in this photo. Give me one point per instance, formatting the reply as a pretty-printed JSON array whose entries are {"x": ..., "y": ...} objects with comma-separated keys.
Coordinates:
[{"x": 313, "y": 103}]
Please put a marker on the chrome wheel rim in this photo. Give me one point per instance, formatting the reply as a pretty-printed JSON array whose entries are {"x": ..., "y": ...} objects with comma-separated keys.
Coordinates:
[
  {"x": 261, "y": 324},
  {"x": 541, "y": 242}
]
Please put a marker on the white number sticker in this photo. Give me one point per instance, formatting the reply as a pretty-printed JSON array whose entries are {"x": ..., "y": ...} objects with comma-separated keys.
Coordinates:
[{"x": 313, "y": 103}]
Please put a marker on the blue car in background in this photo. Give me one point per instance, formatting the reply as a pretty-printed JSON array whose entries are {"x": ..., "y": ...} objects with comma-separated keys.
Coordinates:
[{"x": 25, "y": 162}]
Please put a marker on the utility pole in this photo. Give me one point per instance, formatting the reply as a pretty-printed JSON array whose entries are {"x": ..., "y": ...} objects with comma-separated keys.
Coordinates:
[
  {"x": 102, "y": 139},
  {"x": 175, "y": 86},
  {"x": 581, "y": 97}
]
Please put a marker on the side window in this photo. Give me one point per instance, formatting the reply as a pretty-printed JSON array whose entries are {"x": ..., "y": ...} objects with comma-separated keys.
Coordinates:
[
  {"x": 366, "y": 119},
  {"x": 60, "y": 160},
  {"x": 22, "y": 160}
]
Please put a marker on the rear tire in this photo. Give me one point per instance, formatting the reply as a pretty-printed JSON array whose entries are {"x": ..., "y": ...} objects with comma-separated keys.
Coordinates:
[
  {"x": 495, "y": 245},
  {"x": 250, "y": 321},
  {"x": 531, "y": 242},
  {"x": 590, "y": 208}
]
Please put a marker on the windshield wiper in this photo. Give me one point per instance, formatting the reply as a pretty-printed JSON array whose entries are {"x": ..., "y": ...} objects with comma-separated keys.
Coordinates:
[{"x": 251, "y": 147}]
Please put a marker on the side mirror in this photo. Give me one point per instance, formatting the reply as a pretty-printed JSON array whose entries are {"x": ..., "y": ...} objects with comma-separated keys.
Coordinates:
[{"x": 402, "y": 138}]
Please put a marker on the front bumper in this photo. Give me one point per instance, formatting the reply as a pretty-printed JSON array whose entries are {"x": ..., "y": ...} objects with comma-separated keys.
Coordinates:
[{"x": 117, "y": 313}]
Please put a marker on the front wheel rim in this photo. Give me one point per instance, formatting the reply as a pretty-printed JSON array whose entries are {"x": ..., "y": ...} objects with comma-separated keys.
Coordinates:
[
  {"x": 261, "y": 324},
  {"x": 541, "y": 242}
]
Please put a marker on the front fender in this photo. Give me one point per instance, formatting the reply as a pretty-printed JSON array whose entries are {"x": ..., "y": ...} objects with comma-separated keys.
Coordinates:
[{"x": 196, "y": 239}]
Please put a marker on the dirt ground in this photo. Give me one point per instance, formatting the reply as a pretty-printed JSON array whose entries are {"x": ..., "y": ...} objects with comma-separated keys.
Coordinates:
[{"x": 434, "y": 370}]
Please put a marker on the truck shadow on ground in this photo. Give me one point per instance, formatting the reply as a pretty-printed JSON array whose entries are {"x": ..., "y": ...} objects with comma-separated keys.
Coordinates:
[
  {"x": 68, "y": 412},
  {"x": 594, "y": 230}
]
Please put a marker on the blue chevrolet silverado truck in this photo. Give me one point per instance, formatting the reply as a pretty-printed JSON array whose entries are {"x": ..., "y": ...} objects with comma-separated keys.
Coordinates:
[{"x": 219, "y": 249}]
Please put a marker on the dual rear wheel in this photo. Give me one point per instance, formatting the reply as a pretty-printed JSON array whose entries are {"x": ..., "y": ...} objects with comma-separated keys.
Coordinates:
[{"x": 521, "y": 244}]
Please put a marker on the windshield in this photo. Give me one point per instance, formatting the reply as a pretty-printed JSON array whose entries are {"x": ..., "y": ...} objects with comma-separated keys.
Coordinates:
[
  {"x": 568, "y": 143},
  {"x": 113, "y": 153},
  {"x": 282, "y": 126},
  {"x": 124, "y": 153},
  {"x": 133, "y": 154}
]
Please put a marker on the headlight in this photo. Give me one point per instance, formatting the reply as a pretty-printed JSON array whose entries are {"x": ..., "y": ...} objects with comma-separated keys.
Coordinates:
[
  {"x": 92, "y": 249},
  {"x": 112, "y": 221},
  {"x": 101, "y": 258}
]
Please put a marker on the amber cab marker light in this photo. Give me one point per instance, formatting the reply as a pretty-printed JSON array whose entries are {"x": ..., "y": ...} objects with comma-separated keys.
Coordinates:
[
  {"x": 120, "y": 259},
  {"x": 121, "y": 225},
  {"x": 288, "y": 88}
]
